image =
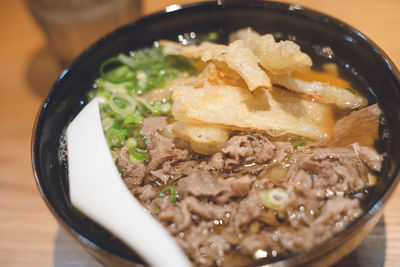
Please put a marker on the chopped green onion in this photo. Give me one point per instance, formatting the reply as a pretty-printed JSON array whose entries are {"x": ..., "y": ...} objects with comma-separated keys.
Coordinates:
[
  {"x": 120, "y": 170},
  {"x": 260, "y": 254},
  {"x": 122, "y": 104},
  {"x": 131, "y": 142},
  {"x": 274, "y": 198},
  {"x": 107, "y": 122},
  {"x": 351, "y": 90},
  {"x": 115, "y": 138},
  {"x": 114, "y": 155},
  {"x": 136, "y": 118},
  {"x": 156, "y": 209},
  {"x": 172, "y": 193},
  {"x": 117, "y": 75},
  {"x": 141, "y": 141},
  {"x": 137, "y": 155},
  {"x": 212, "y": 36},
  {"x": 157, "y": 109},
  {"x": 144, "y": 102},
  {"x": 124, "y": 59},
  {"x": 298, "y": 141}
]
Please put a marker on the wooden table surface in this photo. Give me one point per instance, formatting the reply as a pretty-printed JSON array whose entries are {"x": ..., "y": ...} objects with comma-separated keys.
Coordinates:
[{"x": 29, "y": 234}]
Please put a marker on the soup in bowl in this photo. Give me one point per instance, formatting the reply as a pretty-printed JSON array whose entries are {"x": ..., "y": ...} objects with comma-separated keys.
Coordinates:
[{"x": 227, "y": 135}]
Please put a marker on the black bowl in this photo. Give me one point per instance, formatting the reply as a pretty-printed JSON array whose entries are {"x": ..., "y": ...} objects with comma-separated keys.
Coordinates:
[{"x": 324, "y": 38}]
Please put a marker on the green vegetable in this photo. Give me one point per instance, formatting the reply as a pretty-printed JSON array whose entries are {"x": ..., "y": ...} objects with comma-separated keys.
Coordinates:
[
  {"x": 172, "y": 193},
  {"x": 274, "y": 198},
  {"x": 136, "y": 118},
  {"x": 115, "y": 138},
  {"x": 157, "y": 209},
  {"x": 114, "y": 155},
  {"x": 117, "y": 75},
  {"x": 137, "y": 155},
  {"x": 212, "y": 36},
  {"x": 122, "y": 104},
  {"x": 298, "y": 141},
  {"x": 351, "y": 90},
  {"x": 141, "y": 141},
  {"x": 122, "y": 80},
  {"x": 131, "y": 142}
]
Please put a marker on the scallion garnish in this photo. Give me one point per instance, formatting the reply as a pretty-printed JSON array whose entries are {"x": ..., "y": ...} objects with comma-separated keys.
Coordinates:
[
  {"x": 156, "y": 209},
  {"x": 122, "y": 104},
  {"x": 131, "y": 142},
  {"x": 117, "y": 75},
  {"x": 137, "y": 155},
  {"x": 115, "y": 138},
  {"x": 172, "y": 193},
  {"x": 141, "y": 141},
  {"x": 351, "y": 90},
  {"x": 298, "y": 141},
  {"x": 274, "y": 198}
]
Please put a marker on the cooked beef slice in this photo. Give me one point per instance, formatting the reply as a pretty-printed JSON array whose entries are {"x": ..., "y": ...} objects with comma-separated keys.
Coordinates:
[
  {"x": 152, "y": 125},
  {"x": 360, "y": 126},
  {"x": 201, "y": 183},
  {"x": 247, "y": 148},
  {"x": 218, "y": 205},
  {"x": 132, "y": 174},
  {"x": 334, "y": 171},
  {"x": 336, "y": 214},
  {"x": 164, "y": 158}
]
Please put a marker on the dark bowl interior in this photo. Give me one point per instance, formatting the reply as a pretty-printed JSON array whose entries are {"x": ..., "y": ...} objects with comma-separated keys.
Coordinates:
[{"x": 324, "y": 38}]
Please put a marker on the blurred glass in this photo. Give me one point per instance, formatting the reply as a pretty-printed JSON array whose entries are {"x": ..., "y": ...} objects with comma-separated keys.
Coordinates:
[{"x": 72, "y": 25}]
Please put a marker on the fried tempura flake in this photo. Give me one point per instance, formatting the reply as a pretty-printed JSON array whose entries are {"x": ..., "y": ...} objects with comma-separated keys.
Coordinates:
[
  {"x": 237, "y": 56},
  {"x": 204, "y": 139},
  {"x": 323, "y": 92},
  {"x": 237, "y": 108},
  {"x": 282, "y": 57}
]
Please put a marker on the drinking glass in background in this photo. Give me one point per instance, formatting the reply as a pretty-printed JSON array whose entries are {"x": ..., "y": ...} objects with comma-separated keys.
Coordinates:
[{"x": 72, "y": 25}]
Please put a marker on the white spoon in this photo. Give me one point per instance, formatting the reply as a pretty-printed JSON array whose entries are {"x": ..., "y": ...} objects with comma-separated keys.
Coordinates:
[{"x": 97, "y": 190}]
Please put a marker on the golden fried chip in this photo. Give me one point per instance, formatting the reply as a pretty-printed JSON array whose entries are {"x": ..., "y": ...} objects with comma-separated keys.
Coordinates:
[
  {"x": 203, "y": 139},
  {"x": 323, "y": 92},
  {"x": 276, "y": 113},
  {"x": 206, "y": 50},
  {"x": 242, "y": 59},
  {"x": 281, "y": 57},
  {"x": 218, "y": 73},
  {"x": 237, "y": 56}
]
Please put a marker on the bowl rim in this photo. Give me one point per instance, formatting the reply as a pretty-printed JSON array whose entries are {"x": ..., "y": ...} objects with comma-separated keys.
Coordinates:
[{"x": 310, "y": 14}]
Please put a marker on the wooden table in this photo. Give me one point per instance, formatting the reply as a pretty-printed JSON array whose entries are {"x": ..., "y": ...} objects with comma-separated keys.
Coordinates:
[{"x": 29, "y": 234}]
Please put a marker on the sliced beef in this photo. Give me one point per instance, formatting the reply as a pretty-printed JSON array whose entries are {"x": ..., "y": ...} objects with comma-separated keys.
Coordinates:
[
  {"x": 133, "y": 174},
  {"x": 335, "y": 216},
  {"x": 369, "y": 156},
  {"x": 203, "y": 247},
  {"x": 218, "y": 204},
  {"x": 248, "y": 148},
  {"x": 217, "y": 161},
  {"x": 205, "y": 210},
  {"x": 360, "y": 126},
  {"x": 333, "y": 171},
  {"x": 151, "y": 125},
  {"x": 175, "y": 218},
  {"x": 165, "y": 157},
  {"x": 169, "y": 171},
  {"x": 249, "y": 209},
  {"x": 201, "y": 183}
]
